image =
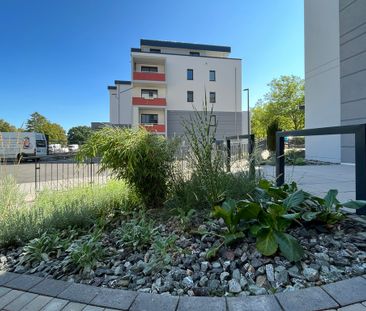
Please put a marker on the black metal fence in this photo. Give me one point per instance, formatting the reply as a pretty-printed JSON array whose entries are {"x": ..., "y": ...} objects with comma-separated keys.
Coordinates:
[
  {"x": 235, "y": 150},
  {"x": 360, "y": 153},
  {"x": 62, "y": 171}
]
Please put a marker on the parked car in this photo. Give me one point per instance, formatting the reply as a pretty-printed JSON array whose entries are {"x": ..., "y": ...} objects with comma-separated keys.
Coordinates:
[{"x": 73, "y": 147}]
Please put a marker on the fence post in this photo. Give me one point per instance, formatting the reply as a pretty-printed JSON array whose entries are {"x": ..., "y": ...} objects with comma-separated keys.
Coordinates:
[
  {"x": 280, "y": 159},
  {"x": 228, "y": 155},
  {"x": 360, "y": 154},
  {"x": 251, "y": 145},
  {"x": 37, "y": 174}
]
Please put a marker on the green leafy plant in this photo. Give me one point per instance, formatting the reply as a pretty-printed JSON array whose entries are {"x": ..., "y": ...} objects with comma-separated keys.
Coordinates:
[
  {"x": 137, "y": 233},
  {"x": 184, "y": 216},
  {"x": 141, "y": 158},
  {"x": 162, "y": 249},
  {"x": 85, "y": 252}
]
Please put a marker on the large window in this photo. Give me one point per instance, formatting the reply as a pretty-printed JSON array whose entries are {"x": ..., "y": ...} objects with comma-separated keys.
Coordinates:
[
  {"x": 190, "y": 96},
  {"x": 189, "y": 74},
  {"x": 155, "y": 50},
  {"x": 149, "y": 69},
  {"x": 212, "y": 75},
  {"x": 149, "y": 118},
  {"x": 149, "y": 93},
  {"x": 212, "y": 97},
  {"x": 194, "y": 53}
]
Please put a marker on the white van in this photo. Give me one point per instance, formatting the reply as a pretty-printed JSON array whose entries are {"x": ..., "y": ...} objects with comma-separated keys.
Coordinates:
[{"x": 20, "y": 145}]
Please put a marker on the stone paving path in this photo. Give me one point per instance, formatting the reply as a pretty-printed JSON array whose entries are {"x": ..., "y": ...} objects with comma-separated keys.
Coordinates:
[{"x": 32, "y": 293}]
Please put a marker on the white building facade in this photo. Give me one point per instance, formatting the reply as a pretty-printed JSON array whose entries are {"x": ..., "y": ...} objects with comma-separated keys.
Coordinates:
[
  {"x": 335, "y": 74},
  {"x": 169, "y": 80}
]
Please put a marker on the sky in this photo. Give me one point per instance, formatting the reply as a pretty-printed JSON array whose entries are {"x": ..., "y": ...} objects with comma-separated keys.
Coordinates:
[{"x": 58, "y": 57}]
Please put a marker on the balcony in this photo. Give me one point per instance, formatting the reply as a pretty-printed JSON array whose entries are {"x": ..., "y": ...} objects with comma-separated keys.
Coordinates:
[
  {"x": 148, "y": 76},
  {"x": 148, "y": 101},
  {"x": 154, "y": 128}
]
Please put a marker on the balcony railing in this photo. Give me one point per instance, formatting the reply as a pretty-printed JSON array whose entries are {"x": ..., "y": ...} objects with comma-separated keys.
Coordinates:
[
  {"x": 155, "y": 128},
  {"x": 148, "y": 101},
  {"x": 149, "y": 76}
]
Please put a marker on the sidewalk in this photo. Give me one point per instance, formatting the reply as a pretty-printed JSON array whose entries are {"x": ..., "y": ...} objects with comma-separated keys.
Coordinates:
[{"x": 26, "y": 292}]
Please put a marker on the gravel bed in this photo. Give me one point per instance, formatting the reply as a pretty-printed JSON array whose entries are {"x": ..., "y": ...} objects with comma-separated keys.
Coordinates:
[{"x": 331, "y": 255}]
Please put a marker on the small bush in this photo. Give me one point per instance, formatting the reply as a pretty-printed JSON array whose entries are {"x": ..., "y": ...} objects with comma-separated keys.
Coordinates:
[
  {"x": 78, "y": 207},
  {"x": 141, "y": 158}
]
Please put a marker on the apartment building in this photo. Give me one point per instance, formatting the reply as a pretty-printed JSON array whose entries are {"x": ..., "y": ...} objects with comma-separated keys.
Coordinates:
[
  {"x": 169, "y": 80},
  {"x": 335, "y": 74}
]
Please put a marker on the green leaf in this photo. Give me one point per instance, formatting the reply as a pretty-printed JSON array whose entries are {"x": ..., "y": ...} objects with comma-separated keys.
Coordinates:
[
  {"x": 331, "y": 198},
  {"x": 254, "y": 229},
  {"x": 212, "y": 252},
  {"x": 289, "y": 246},
  {"x": 276, "y": 209},
  {"x": 248, "y": 211},
  {"x": 264, "y": 184},
  {"x": 309, "y": 216},
  {"x": 266, "y": 242},
  {"x": 291, "y": 216},
  {"x": 355, "y": 204},
  {"x": 231, "y": 237},
  {"x": 294, "y": 199}
]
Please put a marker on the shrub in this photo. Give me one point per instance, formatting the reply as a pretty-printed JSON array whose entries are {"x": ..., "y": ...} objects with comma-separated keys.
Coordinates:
[
  {"x": 78, "y": 207},
  {"x": 141, "y": 158}
]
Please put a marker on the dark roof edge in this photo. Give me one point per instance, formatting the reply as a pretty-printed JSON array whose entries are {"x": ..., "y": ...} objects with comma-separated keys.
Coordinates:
[
  {"x": 122, "y": 82},
  {"x": 183, "y": 45},
  {"x": 112, "y": 87}
]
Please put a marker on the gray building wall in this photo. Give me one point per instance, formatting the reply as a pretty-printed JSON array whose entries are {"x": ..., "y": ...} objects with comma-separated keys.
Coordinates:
[
  {"x": 225, "y": 123},
  {"x": 352, "y": 20}
]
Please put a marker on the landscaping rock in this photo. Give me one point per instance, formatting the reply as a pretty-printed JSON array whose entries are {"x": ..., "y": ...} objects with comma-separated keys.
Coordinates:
[{"x": 234, "y": 286}]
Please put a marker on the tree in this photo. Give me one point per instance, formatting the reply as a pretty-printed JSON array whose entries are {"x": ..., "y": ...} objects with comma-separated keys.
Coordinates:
[
  {"x": 284, "y": 102},
  {"x": 79, "y": 134},
  {"x": 40, "y": 124},
  {"x": 6, "y": 126}
]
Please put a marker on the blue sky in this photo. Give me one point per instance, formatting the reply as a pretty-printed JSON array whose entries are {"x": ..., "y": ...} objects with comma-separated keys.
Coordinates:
[{"x": 57, "y": 57}]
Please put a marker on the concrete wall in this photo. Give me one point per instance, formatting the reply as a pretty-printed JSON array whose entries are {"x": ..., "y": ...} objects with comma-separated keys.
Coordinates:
[
  {"x": 352, "y": 15},
  {"x": 225, "y": 122},
  {"x": 322, "y": 77},
  {"x": 120, "y": 113}
]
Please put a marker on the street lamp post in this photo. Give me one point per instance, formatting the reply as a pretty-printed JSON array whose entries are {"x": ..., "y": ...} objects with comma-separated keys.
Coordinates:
[{"x": 247, "y": 90}]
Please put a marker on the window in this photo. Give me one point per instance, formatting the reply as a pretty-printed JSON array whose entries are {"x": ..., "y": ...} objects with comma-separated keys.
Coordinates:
[
  {"x": 155, "y": 50},
  {"x": 194, "y": 53},
  {"x": 190, "y": 96},
  {"x": 212, "y": 97},
  {"x": 149, "y": 93},
  {"x": 40, "y": 143},
  {"x": 212, "y": 75},
  {"x": 189, "y": 74},
  {"x": 149, "y": 118},
  {"x": 149, "y": 69}
]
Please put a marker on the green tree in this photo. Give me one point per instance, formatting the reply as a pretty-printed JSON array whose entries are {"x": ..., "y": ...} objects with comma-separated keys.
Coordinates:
[
  {"x": 284, "y": 102},
  {"x": 6, "y": 126},
  {"x": 40, "y": 124},
  {"x": 79, "y": 134}
]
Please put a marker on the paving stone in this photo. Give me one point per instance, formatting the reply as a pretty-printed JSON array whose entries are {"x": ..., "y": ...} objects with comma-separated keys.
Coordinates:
[
  {"x": 21, "y": 301},
  {"x": 5, "y": 277},
  {"x": 254, "y": 303},
  {"x": 74, "y": 306},
  {"x": 55, "y": 305},
  {"x": 312, "y": 298},
  {"x": 202, "y": 304},
  {"x": 354, "y": 307},
  {"x": 347, "y": 292},
  {"x": 37, "y": 304},
  {"x": 79, "y": 293},
  {"x": 114, "y": 298},
  {"x": 24, "y": 282},
  {"x": 154, "y": 302},
  {"x": 92, "y": 308},
  {"x": 4, "y": 290},
  {"x": 50, "y": 287},
  {"x": 9, "y": 297}
]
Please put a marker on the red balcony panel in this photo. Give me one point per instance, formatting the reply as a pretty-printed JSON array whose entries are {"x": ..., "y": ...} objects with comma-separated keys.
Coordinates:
[
  {"x": 159, "y": 128},
  {"x": 150, "y": 76},
  {"x": 148, "y": 102}
]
